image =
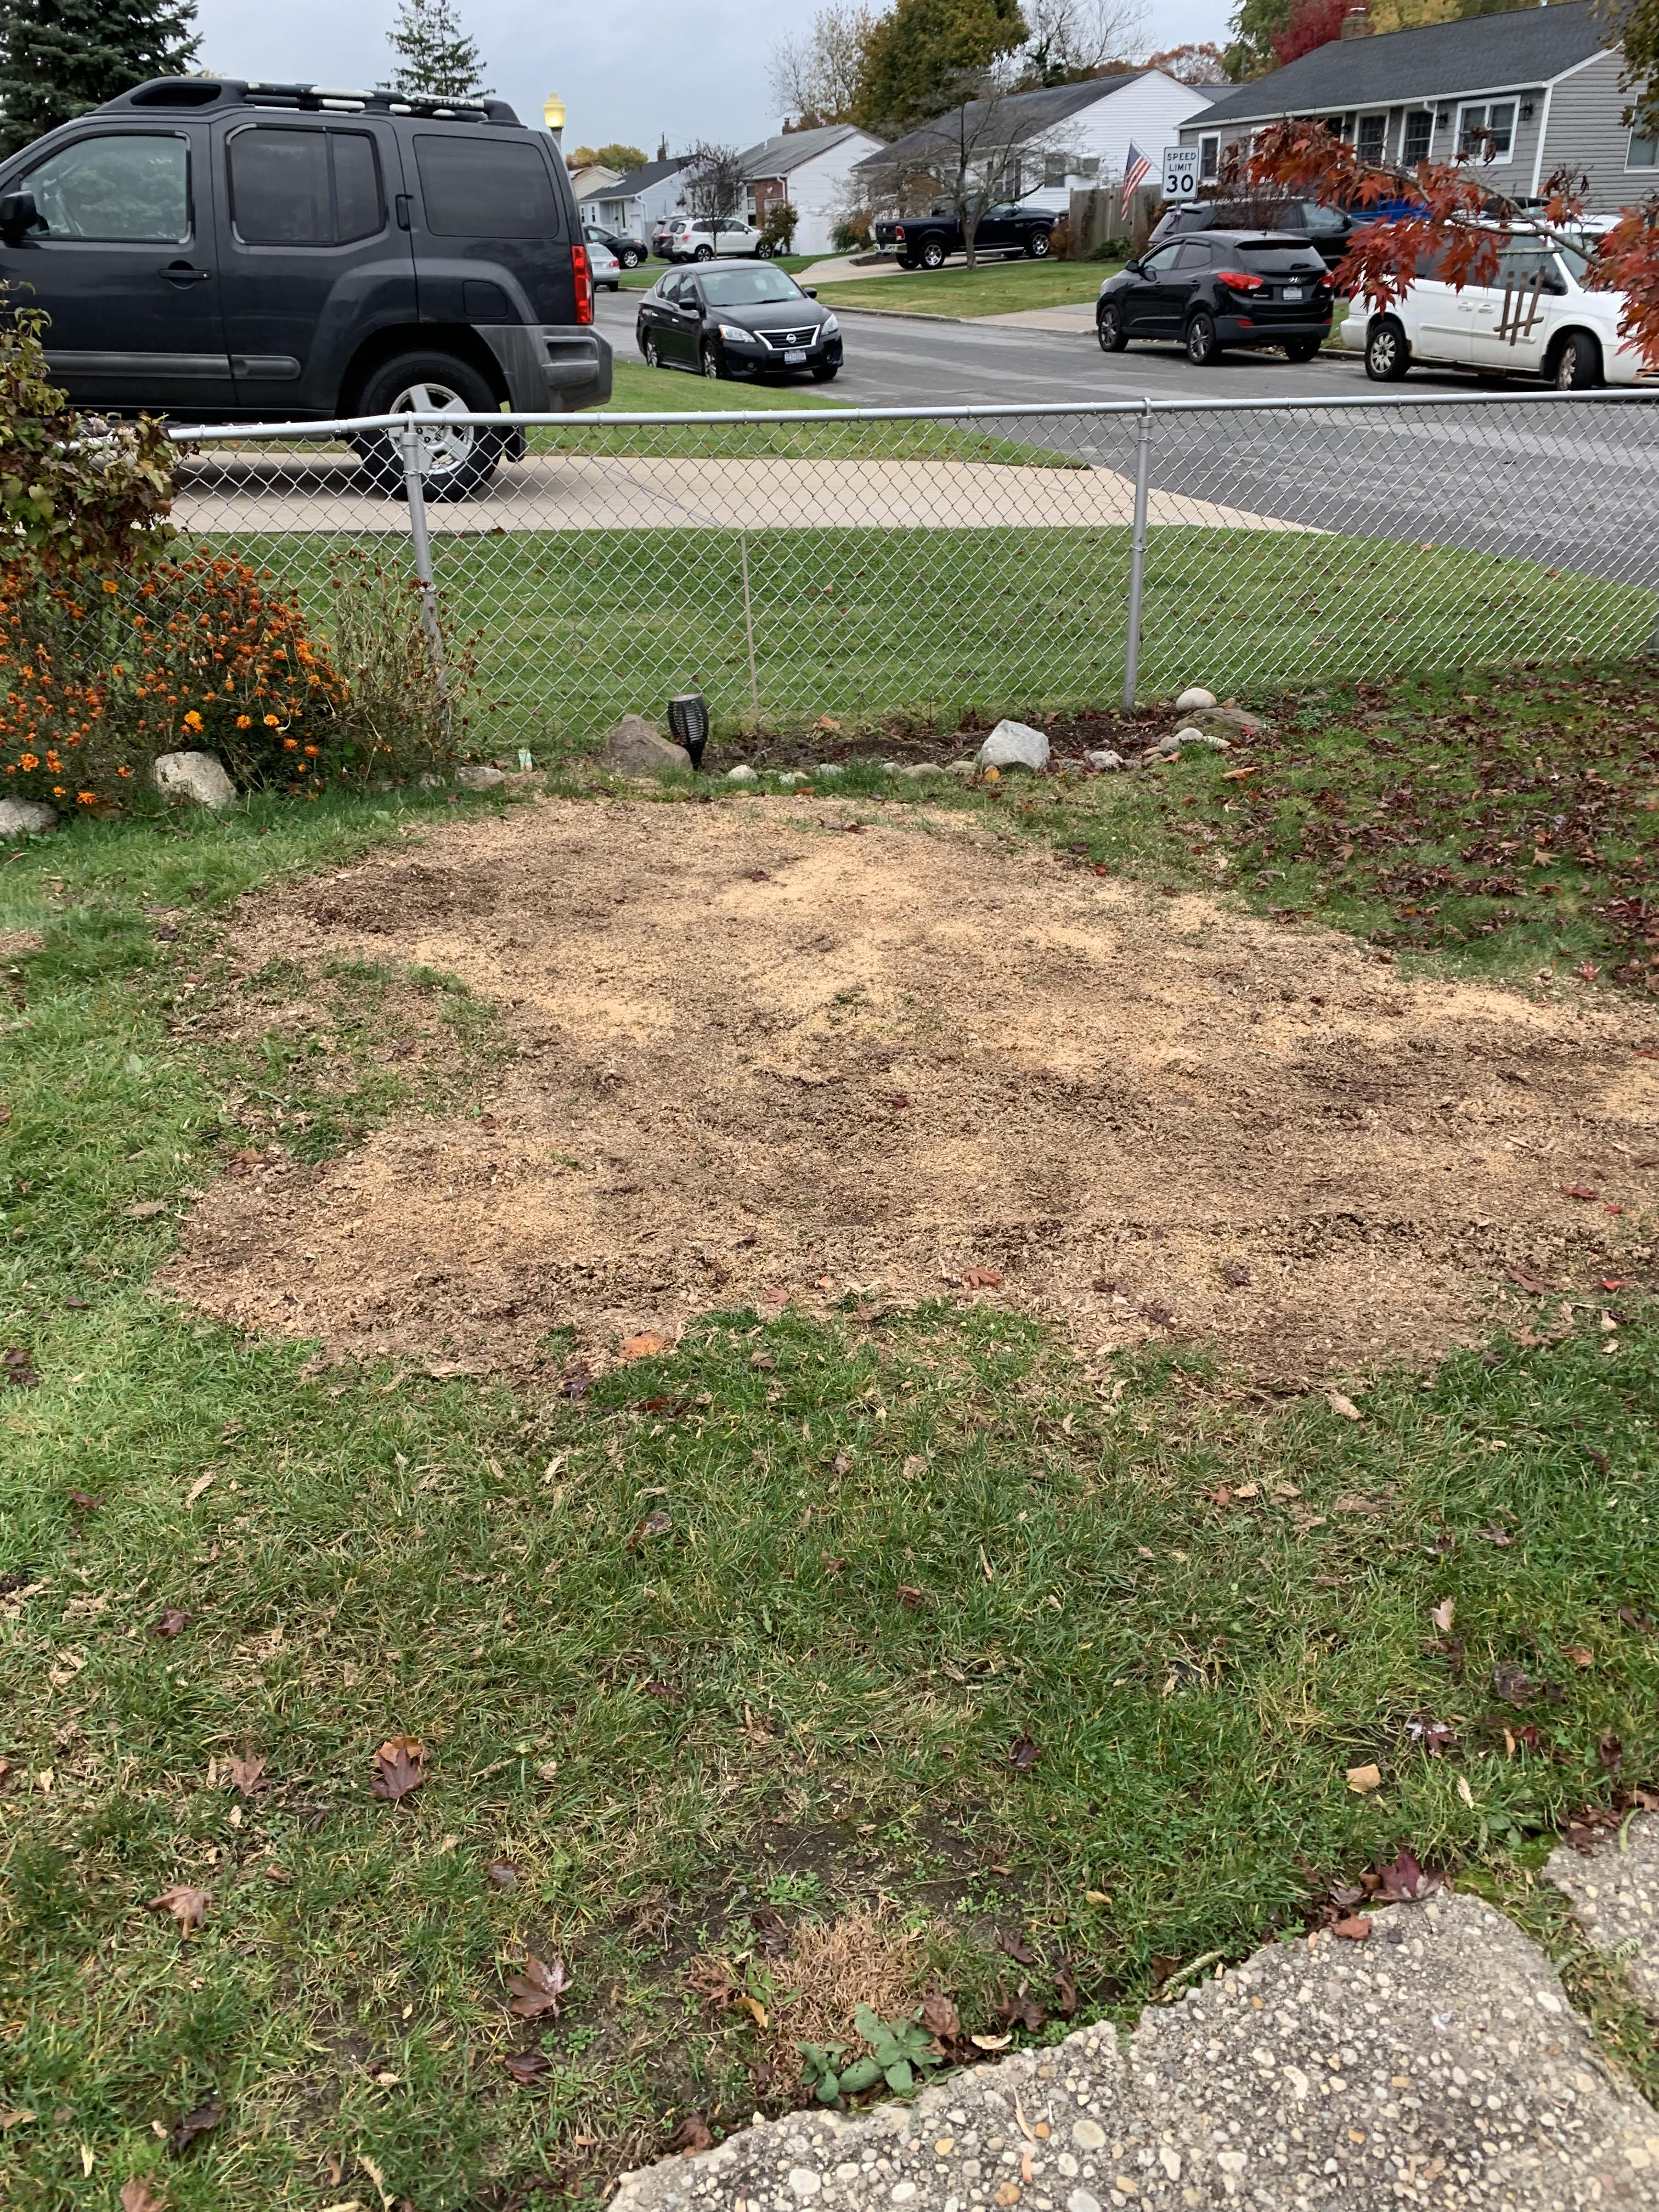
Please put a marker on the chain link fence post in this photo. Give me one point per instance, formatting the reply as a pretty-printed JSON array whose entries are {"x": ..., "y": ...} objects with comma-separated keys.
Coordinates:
[
  {"x": 1137, "y": 555},
  {"x": 420, "y": 542}
]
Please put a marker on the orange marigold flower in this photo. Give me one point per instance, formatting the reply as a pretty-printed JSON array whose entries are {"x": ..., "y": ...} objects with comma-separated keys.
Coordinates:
[
  {"x": 288, "y": 744},
  {"x": 273, "y": 722},
  {"x": 86, "y": 797},
  {"x": 312, "y": 751},
  {"x": 110, "y": 584},
  {"x": 244, "y": 721},
  {"x": 192, "y": 721},
  {"x": 28, "y": 760},
  {"x": 124, "y": 771}
]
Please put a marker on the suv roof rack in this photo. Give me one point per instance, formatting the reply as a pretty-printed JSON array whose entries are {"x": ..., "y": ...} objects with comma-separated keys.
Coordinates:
[{"x": 196, "y": 92}]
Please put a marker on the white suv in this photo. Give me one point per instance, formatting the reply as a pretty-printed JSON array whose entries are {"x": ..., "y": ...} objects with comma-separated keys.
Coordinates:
[
  {"x": 1536, "y": 318},
  {"x": 683, "y": 238}
]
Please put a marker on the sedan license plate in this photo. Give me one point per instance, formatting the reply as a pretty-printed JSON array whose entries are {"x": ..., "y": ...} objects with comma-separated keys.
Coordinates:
[
  {"x": 1292, "y": 291},
  {"x": 795, "y": 354}
]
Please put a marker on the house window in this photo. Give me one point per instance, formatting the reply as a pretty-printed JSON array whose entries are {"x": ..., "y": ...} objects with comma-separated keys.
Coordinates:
[
  {"x": 1090, "y": 170},
  {"x": 1370, "y": 136},
  {"x": 1417, "y": 136},
  {"x": 1485, "y": 132},
  {"x": 1209, "y": 159},
  {"x": 1643, "y": 153},
  {"x": 1055, "y": 170}
]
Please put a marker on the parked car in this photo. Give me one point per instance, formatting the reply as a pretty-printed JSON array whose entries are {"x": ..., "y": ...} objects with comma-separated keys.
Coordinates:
[
  {"x": 683, "y": 238},
  {"x": 1535, "y": 318},
  {"x": 630, "y": 251},
  {"x": 731, "y": 319},
  {"x": 227, "y": 252},
  {"x": 605, "y": 266},
  {"x": 1329, "y": 228},
  {"x": 927, "y": 241},
  {"x": 1218, "y": 289}
]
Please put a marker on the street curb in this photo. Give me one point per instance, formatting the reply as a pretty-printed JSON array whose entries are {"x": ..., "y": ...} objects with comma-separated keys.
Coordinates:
[{"x": 913, "y": 315}]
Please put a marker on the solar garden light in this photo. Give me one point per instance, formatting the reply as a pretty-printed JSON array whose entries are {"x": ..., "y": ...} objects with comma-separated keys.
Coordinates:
[{"x": 688, "y": 718}]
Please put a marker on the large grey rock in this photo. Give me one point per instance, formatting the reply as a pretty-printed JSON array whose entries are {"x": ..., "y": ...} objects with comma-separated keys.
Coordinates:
[
  {"x": 1014, "y": 745},
  {"x": 1615, "y": 1892},
  {"x": 26, "y": 817},
  {"x": 635, "y": 748},
  {"x": 1192, "y": 698},
  {"x": 479, "y": 775},
  {"x": 741, "y": 774},
  {"x": 1435, "y": 2063},
  {"x": 197, "y": 777}
]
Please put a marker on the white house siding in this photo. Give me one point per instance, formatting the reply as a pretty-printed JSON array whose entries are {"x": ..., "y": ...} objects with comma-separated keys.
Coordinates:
[
  {"x": 822, "y": 190},
  {"x": 1587, "y": 136},
  {"x": 1151, "y": 111}
]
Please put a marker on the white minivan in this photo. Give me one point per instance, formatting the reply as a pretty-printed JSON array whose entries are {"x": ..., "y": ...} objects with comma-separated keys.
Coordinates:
[{"x": 1535, "y": 318}]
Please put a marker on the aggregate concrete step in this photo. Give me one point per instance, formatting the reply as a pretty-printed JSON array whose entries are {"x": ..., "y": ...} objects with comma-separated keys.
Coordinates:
[{"x": 1437, "y": 2063}]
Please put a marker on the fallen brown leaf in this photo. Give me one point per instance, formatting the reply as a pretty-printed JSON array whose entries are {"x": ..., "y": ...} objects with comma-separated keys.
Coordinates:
[
  {"x": 399, "y": 1768},
  {"x": 205, "y": 2118},
  {"x": 147, "y": 1209},
  {"x": 653, "y": 1524},
  {"x": 1403, "y": 1879},
  {"x": 536, "y": 1988},
  {"x": 187, "y": 1905},
  {"x": 169, "y": 1623},
  {"x": 1011, "y": 1942},
  {"x": 1579, "y": 1190},
  {"x": 691, "y": 2135},
  {"x": 1339, "y": 1404},
  {"x": 247, "y": 1775},
  {"x": 1513, "y": 1683},
  {"x": 1580, "y": 1654},
  {"x": 138, "y": 2196},
  {"x": 503, "y": 1874},
  {"x": 910, "y": 1596},
  {"x": 1352, "y": 1928},
  {"x": 643, "y": 1346},
  {"x": 940, "y": 2017},
  {"x": 980, "y": 1278},
  {"x": 1023, "y": 1753},
  {"x": 1363, "y": 1780},
  {"x": 1526, "y": 1278},
  {"x": 1444, "y": 1615},
  {"x": 526, "y": 2065}
]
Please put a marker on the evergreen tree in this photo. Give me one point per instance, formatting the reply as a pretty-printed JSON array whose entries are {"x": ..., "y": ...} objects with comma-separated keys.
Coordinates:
[
  {"x": 60, "y": 58},
  {"x": 927, "y": 55},
  {"x": 436, "y": 60}
]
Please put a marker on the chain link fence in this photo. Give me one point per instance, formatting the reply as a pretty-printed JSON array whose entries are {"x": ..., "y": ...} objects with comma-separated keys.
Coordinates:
[{"x": 898, "y": 565}]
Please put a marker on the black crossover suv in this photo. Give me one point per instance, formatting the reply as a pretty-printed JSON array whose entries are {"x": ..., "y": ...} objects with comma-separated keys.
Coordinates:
[
  {"x": 218, "y": 251},
  {"x": 1220, "y": 288},
  {"x": 737, "y": 318}
]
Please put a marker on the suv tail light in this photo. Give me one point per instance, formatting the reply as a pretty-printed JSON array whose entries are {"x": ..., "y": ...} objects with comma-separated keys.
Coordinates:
[
  {"x": 1239, "y": 279},
  {"x": 582, "y": 270}
]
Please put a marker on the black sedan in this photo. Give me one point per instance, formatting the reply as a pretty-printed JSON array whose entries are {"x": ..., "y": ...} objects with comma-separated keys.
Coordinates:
[
  {"x": 630, "y": 252},
  {"x": 737, "y": 319},
  {"x": 1220, "y": 288}
]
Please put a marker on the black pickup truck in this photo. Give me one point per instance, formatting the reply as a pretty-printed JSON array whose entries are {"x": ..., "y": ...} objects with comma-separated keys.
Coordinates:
[{"x": 926, "y": 241}]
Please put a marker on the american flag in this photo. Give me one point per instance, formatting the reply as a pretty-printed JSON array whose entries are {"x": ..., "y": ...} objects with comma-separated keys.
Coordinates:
[{"x": 1136, "y": 170}]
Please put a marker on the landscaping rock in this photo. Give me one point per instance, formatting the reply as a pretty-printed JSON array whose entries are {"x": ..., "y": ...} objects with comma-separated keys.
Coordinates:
[
  {"x": 1165, "y": 747},
  {"x": 633, "y": 747},
  {"x": 962, "y": 767},
  {"x": 1015, "y": 744},
  {"x": 197, "y": 777},
  {"x": 1192, "y": 698},
  {"x": 1233, "y": 718},
  {"x": 829, "y": 768},
  {"x": 741, "y": 774},
  {"x": 1192, "y": 737},
  {"x": 26, "y": 817},
  {"x": 1104, "y": 759},
  {"x": 1615, "y": 1892},
  {"x": 1436, "y": 2062},
  {"x": 477, "y": 776}
]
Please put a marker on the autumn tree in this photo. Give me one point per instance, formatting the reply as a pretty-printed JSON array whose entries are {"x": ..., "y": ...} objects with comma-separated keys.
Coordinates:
[
  {"x": 816, "y": 73},
  {"x": 1311, "y": 23},
  {"x": 1197, "y": 62},
  {"x": 713, "y": 182},
  {"x": 615, "y": 156},
  {"x": 1071, "y": 40},
  {"x": 922, "y": 58},
  {"x": 60, "y": 58}
]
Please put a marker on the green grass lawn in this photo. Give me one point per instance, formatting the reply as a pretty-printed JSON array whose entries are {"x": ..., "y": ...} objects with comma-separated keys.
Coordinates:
[
  {"x": 636, "y": 389},
  {"x": 894, "y": 1546},
  {"x": 649, "y": 272},
  {"x": 998, "y": 288}
]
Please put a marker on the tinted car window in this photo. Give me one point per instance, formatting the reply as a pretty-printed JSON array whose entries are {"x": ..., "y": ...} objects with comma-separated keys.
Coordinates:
[
  {"x": 477, "y": 188},
  {"x": 1283, "y": 256},
  {"x": 129, "y": 186},
  {"x": 749, "y": 287},
  {"x": 1156, "y": 264},
  {"x": 295, "y": 187},
  {"x": 1195, "y": 254}
]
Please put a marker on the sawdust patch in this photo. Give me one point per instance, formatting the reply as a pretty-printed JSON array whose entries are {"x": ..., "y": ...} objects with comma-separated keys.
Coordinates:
[{"x": 761, "y": 1056}]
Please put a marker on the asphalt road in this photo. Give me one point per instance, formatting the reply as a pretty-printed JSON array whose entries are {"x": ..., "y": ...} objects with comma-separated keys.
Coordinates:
[{"x": 1570, "y": 484}]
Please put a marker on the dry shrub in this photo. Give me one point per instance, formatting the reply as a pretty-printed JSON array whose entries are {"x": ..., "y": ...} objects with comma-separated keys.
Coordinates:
[
  {"x": 834, "y": 1967},
  {"x": 399, "y": 719}
]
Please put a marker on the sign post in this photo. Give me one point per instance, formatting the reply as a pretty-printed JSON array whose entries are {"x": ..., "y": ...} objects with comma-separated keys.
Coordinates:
[{"x": 1179, "y": 175}]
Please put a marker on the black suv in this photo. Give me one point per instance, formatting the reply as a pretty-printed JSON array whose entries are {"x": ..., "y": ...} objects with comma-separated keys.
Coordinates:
[
  {"x": 1219, "y": 289},
  {"x": 228, "y": 251},
  {"x": 1329, "y": 228}
]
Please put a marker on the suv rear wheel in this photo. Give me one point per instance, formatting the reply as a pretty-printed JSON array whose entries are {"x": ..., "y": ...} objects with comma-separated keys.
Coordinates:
[
  {"x": 1578, "y": 364},
  {"x": 456, "y": 459},
  {"x": 1203, "y": 347}
]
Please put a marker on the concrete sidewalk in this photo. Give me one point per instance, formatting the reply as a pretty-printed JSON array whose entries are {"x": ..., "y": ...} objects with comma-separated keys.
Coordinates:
[{"x": 1436, "y": 2062}]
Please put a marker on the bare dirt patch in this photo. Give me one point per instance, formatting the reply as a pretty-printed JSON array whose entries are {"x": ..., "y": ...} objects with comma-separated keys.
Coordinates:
[{"x": 768, "y": 1054}]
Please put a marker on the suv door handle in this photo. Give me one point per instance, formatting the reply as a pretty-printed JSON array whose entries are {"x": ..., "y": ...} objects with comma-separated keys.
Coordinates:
[
  {"x": 180, "y": 272},
  {"x": 402, "y": 205}
]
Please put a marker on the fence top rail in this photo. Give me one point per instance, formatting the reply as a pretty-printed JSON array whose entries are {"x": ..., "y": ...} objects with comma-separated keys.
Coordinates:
[{"x": 238, "y": 433}]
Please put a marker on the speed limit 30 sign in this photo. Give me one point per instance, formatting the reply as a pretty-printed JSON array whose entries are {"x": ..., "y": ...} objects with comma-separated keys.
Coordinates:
[{"x": 1180, "y": 174}]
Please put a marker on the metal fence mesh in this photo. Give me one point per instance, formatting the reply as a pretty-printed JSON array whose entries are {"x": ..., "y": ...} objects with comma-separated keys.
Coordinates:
[{"x": 874, "y": 565}]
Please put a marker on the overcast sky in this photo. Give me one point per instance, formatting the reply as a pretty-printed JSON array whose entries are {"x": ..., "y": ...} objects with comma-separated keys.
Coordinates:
[{"x": 629, "y": 69}]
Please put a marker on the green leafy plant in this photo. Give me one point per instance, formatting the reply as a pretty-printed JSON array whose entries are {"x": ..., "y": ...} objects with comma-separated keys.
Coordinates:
[
  {"x": 778, "y": 227},
  {"x": 899, "y": 2050}
]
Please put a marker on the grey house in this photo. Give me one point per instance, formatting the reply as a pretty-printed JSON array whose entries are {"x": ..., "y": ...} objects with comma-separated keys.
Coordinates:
[{"x": 1537, "y": 87}]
